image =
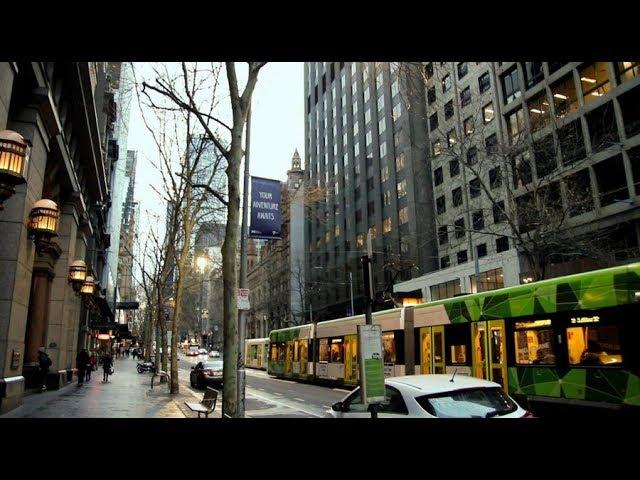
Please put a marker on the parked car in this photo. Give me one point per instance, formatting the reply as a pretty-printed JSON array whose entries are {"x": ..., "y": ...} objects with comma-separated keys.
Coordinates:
[
  {"x": 214, "y": 354},
  {"x": 206, "y": 373},
  {"x": 202, "y": 351},
  {"x": 193, "y": 351},
  {"x": 434, "y": 396}
]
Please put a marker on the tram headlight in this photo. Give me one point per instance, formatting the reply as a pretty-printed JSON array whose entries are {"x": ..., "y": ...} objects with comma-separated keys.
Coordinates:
[{"x": 637, "y": 296}]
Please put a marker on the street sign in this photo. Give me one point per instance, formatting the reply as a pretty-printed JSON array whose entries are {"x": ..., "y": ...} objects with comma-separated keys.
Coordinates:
[
  {"x": 371, "y": 364},
  {"x": 243, "y": 299}
]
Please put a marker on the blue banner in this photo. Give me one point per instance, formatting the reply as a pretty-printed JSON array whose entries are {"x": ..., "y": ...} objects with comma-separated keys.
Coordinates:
[{"x": 265, "y": 208}]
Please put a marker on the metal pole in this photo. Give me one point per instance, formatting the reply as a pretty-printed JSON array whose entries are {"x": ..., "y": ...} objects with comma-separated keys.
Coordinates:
[
  {"x": 353, "y": 312},
  {"x": 243, "y": 270}
]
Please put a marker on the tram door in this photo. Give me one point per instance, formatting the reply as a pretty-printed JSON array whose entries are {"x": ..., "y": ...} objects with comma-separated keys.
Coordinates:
[
  {"x": 489, "y": 355},
  {"x": 351, "y": 359},
  {"x": 288, "y": 359},
  {"x": 425, "y": 350},
  {"x": 304, "y": 352},
  {"x": 438, "y": 349}
]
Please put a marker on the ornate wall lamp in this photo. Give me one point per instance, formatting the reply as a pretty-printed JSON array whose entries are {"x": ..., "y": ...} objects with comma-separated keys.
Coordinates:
[
  {"x": 77, "y": 274},
  {"x": 14, "y": 158},
  {"x": 88, "y": 286},
  {"x": 43, "y": 223}
]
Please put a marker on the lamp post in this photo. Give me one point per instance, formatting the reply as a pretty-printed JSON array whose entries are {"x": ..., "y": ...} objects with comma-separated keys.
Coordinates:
[
  {"x": 14, "y": 159},
  {"x": 201, "y": 262}
]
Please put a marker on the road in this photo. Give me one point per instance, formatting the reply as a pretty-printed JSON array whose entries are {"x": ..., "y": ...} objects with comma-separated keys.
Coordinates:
[{"x": 270, "y": 397}]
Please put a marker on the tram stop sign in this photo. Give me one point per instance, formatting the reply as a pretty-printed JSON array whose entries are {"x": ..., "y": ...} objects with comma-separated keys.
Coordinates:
[
  {"x": 371, "y": 364},
  {"x": 243, "y": 299}
]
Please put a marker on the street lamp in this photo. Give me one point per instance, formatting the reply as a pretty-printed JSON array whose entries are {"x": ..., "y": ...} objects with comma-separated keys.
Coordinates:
[
  {"x": 88, "y": 287},
  {"x": 14, "y": 159},
  {"x": 43, "y": 222},
  {"x": 77, "y": 274}
]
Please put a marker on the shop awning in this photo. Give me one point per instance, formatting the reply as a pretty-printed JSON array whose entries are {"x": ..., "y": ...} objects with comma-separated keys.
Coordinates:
[{"x": 104, "y": 307}]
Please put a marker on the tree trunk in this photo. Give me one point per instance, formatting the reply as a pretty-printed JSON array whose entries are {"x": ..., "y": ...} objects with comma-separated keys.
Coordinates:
[{"x": 230, "y": 284}]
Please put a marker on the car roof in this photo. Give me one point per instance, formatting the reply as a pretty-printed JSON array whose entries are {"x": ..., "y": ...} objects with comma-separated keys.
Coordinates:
[{"x": 430, "y": 384}]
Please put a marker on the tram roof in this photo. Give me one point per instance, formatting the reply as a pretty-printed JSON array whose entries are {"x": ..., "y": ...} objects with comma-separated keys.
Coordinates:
[{"x": 582, "y": 291}]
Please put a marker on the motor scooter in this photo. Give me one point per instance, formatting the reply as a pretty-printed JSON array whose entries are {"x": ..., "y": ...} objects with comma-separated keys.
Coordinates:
[{"x": 146, "y": 367}]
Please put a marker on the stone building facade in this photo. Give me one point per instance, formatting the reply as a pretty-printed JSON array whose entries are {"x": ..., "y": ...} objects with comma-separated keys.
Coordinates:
[{"x": 64, "y": 111}]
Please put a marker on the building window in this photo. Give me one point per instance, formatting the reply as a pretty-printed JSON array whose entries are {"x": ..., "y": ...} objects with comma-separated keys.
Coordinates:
[
  {"x": 382, "y": 125},
  {"x": 431, "y": 95},
  {"x": 498, "y": 212},
  {"x": 456, "y": 196},
  {"x": 395, "y": 88},
  {"x": 555, "y": 66},
  {"x": 441, "y": 206},
  {"x": 533, "y": 73},
  {"x": 465, "y": 96},
  {"x": 594, "y": 80},
  {"x": 462, "y": 257},
  {"x": 437, "y": 148},
  {"x": 437, "y": 176},
  {"x": 472, "y": 156},
  {"x": 463, "y": 69},
  {"x": 428, "y": 70},
  {"x": 452, "y": 138},
  {"x": 510, "y": 86},
  {"x": 446, "y": 83},
  {"x": 478, "y": 220},
  {"x": 369, "y": 184},
  {"x": 564, "y": 95},
  {"x": 444, "y": 263},
  {"x": 384, "y": 173},
  {"x": 337, "y": 230},
  {"x": 387, "y": 198},
  {"x": 627, "y": 70},
  {"x": 369, "y": 138},
  {"x": 367, "y": 116},
  {"x": 448, "y": 110},
  {"x": 515, "y": 124},
  {"x": 474, "y": 188},
  {"x": 468, "y": 126},
  {"x": 488, "y": 113},
  {"x": 545, "y": 156},
  {"x": 386, "y": 225},
  {"x": 521, "y": 167},
  {"x": 397, "y": 110},
  {"x": 484, "y": 83},
  {"x": 611, "y": 179},
  {"x": 481, "y": 250},
  {"x": 445, "y": 290},
  {"x": 383, "y": 149},
  {"x": 360, "y": 240},
  {"x": 327, "y": 236},
  {"x": 454, "y": 168},
  {"x": 371, "y": 208},
  {"x": 433, "y": 121},
  {"x": 358, "y": 215},
  {"x": 491, "y": 144},
  {"x": 373, "y": 231},
  {"x": 602, "y": 125},
  {"x": 402, "y": 188},
  {"x": 495, "y": 178},
  {"x": 399, "y": 162},
  {"x": 502, "y": 244},
  {"x": 443, "y": 235},
  {"x": 489, "y": 280},
  {"x": 630, "y": 106},
  {"x": 459, "y": 228},
  {"x": 539, "y": 111},
  {"x": 403, "y": 215},
  {"x": 580, "y": 196},
  {"x": 571, "y": 142}
]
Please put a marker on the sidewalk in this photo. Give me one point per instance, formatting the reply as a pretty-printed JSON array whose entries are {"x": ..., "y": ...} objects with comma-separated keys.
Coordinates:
[{"x": 126, "y": 395}]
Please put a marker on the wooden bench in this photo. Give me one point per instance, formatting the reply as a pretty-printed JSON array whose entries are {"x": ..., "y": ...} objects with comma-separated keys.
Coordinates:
[
  {"x": 162, "y": 374},
  {"x": 207, "y": 405}
]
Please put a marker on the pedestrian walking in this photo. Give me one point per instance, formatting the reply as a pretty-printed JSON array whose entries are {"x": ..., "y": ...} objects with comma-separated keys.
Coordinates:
[
  {"x": 107, "y": 364},
  {"x": 90, "y": 366},
  {"x": 44, "y": 362},
  {"x": 82, "y": 360},
  {"x": 133, "y": 353}
]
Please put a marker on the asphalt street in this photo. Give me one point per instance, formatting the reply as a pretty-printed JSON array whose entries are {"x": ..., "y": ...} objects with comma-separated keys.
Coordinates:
[{"x": 269, "y": 396}]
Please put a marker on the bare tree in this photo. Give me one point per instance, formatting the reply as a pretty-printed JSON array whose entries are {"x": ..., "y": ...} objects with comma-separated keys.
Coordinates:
[{"x": 195, "y": 93}]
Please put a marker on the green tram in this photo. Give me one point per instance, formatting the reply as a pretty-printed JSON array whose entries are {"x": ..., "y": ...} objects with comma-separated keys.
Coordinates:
[
  {"x": 565, "y": 341},
  {"x": 256, "y": 351}
]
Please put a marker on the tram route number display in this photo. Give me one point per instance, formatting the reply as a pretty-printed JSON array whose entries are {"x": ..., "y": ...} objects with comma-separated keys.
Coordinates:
[{"x": 371, "y": 364}]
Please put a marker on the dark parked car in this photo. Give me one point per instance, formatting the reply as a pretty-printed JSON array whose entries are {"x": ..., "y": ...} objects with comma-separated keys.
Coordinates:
[{"x": 206, "y": 373}]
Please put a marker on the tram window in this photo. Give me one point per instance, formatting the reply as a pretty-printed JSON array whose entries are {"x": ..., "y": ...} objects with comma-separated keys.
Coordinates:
[
  {"x": 324, "y": 350},
  {"x": 389, "y": 347},
  {"x": 457, "y": 339},
  {"x": 281, "y": 352},
  {"x": 274, "y": 352},
  {"x": 534, "y": 343},
  {"x": 594, "y": 345},
  {"x": 337, "y": 350}
]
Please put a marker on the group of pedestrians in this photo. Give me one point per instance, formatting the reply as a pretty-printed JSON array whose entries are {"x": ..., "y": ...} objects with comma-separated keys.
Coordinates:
[{"x": 87, "y": 363}]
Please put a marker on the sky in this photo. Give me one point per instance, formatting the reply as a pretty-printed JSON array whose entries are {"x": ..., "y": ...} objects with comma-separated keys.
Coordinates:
[{"x": 277, "y": 130}]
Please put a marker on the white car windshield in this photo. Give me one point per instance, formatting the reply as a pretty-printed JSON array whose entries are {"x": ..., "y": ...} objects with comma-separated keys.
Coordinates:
[{"x": 468, "y": 403}]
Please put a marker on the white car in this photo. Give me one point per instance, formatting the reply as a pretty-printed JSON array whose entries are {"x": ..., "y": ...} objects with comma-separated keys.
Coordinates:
[
  {"x": 214, "y": 354},
  {"x": 202, "y": 351},
  {"x": 434, "y": 396}
]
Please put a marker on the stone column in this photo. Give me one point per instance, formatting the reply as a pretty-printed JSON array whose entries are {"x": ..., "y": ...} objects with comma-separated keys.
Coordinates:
[
  {"x": 63, "y": 301},
  {"x": 17, "y": 254}
]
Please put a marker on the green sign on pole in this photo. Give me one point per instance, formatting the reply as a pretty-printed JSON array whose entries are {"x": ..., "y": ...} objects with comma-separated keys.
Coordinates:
[{"x": 371, "y": 364}]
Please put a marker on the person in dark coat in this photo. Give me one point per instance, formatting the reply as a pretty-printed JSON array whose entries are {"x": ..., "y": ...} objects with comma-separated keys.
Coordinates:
[
  {"x": 82, "y": 360},
  {"x": 44, "y": 362},
  {"x": 107, "y": 363}
]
